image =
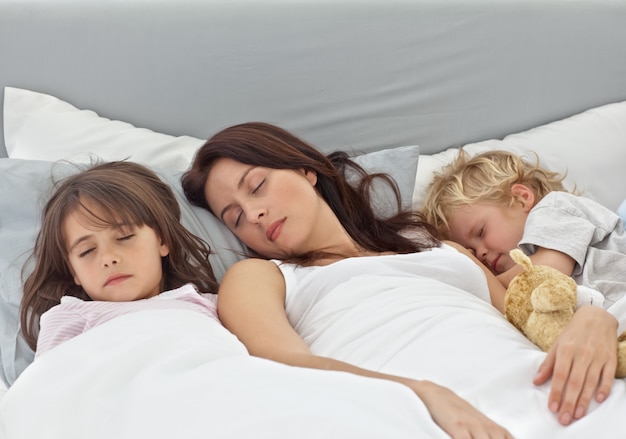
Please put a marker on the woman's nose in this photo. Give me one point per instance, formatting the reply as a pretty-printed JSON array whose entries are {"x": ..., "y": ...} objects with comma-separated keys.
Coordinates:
[{"x": 255, "y": 214}]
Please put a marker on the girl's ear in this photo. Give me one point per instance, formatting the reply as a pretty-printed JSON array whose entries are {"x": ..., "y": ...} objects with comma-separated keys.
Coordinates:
[
  {"x": 76, "y": 279},
  {"x": 524, "y": 195},
  {"x": 164, "y": 250}
]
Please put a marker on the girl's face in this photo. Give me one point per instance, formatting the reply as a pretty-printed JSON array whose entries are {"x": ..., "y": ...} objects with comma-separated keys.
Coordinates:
[
  {"x": 276, "y": 212},
  {"x": 116, "y": 264}
]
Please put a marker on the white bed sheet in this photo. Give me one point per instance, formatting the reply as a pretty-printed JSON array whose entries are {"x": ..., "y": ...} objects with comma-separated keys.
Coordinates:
[
  {"x": 161, "y": 374},
  {"x": 171, "y": 373}
]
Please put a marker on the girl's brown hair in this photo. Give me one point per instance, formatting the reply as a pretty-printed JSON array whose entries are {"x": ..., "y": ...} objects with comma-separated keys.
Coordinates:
[
  {"x": 343, "y": 184},
  {"x": 125, "y": 193}
]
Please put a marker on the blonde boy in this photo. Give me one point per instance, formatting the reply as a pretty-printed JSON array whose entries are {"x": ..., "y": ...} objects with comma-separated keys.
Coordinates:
[{"x": 496, "y": 201}]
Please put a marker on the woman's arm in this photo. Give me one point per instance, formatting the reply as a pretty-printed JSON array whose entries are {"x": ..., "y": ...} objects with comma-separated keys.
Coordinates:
[
  {"x": 496, "y": 289},
  {"x": 583, "y": 360},
  {"x": 251, "y": 304}
]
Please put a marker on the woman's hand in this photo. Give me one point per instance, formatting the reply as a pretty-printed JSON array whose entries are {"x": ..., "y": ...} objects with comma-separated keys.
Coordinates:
[
  {"x": 581, "y": 362},
  {"x": 455, "y": 415}
]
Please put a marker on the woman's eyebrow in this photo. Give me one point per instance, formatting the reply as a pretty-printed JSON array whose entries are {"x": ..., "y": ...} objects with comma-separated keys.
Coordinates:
[
  {"x": 239, "y": 186},
  {"x": 244, "y": 175}
]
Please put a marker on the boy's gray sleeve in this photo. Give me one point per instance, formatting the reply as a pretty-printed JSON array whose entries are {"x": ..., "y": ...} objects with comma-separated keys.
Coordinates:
[{"x": 567, "y": 223}]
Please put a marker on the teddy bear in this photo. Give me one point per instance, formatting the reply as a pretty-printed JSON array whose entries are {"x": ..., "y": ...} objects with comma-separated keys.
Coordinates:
[{"x": 541, "y": 301}]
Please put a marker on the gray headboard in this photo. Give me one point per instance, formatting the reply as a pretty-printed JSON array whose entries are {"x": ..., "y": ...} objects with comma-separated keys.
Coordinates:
[{"x": 361, "y": 74}]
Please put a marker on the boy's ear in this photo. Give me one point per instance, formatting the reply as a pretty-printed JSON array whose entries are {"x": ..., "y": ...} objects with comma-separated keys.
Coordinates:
[{"x": 524, "y": 195}]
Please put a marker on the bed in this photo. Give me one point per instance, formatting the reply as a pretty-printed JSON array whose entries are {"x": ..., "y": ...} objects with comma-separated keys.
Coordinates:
[{"x": 400, "y": 84}]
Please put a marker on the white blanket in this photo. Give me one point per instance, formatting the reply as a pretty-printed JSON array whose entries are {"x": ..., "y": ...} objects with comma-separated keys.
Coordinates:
[
  {"x": 178, "y": 374},
  {"x": 426, "y": 329},
  {"x": 163, "y": 374}
]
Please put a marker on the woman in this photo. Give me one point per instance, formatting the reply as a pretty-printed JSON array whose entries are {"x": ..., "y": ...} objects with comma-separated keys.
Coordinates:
[{"x": 287, "y": 201}]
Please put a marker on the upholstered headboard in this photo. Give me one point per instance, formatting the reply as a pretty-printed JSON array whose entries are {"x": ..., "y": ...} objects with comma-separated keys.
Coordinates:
[{"x": 358, "y": 74}]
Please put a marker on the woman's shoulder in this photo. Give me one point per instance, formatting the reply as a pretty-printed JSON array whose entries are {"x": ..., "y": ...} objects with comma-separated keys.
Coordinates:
[
  {"x": 251, "y": 264},
  {"x": 446, "y": 245},
  {"x": 252, "y": 271}
]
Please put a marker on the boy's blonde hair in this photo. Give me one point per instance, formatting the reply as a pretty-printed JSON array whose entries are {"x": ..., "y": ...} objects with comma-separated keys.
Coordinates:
[{"x": 484, "y": 178}]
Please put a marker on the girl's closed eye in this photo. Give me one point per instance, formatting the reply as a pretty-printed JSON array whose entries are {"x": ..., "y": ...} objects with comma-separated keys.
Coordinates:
[
  {"x": 126, "y": 237},
  {"x": 86, "y": 252}
]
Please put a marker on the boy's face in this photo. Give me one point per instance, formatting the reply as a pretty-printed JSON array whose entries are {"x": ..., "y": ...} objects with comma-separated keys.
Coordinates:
[{"x": 490, "y": 231}]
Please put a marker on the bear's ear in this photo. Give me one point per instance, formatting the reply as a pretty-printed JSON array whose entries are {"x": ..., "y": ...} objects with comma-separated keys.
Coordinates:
[{"x": 520, "y": 258}]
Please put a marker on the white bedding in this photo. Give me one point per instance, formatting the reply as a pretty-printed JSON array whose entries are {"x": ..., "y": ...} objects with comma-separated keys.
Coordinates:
[
  {"x": 163, "y": 374},
  {"x": 426, "y": 329},
  {"x": 166, "y": 374}
]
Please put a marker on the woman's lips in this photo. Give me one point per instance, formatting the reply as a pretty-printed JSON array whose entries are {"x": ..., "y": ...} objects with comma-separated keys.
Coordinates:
[{"x": 273, "y": 231}]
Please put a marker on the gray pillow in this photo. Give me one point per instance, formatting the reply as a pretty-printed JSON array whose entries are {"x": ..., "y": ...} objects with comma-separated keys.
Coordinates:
[
  {"x": 401, "y": 164},
  {"x": 25, "y": 186}
]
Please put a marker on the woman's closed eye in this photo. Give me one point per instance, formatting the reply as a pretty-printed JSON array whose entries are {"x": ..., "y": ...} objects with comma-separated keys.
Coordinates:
[
  {"x": 254, "y": 191},
  {"x": 238, "y": 218},
  {"x": 258, "y": 187}
]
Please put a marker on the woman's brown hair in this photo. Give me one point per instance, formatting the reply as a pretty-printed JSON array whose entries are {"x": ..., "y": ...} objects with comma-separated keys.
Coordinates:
[
  {"x": 125, "y": 193},
  {"x": 342, "y": 183}
]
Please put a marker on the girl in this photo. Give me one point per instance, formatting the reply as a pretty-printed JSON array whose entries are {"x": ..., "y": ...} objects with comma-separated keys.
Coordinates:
[{"x": 110, "y": 242}]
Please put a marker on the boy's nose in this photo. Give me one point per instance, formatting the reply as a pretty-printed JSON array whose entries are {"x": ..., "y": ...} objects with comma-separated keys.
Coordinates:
[{"x": 481, "y": 254}]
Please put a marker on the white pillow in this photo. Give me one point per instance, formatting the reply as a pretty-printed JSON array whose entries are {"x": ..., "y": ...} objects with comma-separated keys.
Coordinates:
[
  {"x": 590, "y": 146},
  {"x": 38, "y": 126}
]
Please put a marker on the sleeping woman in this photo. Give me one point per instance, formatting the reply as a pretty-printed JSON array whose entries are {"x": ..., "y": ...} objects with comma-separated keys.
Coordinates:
[{"x": 313, "y": 235}]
